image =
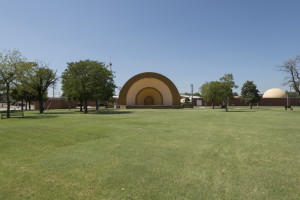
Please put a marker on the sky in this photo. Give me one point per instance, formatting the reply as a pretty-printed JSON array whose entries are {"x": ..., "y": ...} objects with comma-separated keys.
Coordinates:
[{"x": 188, "y": 41}]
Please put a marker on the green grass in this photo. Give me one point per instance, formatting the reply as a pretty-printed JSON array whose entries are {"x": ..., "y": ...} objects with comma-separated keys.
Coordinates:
[{"x": 151, "y": 154}]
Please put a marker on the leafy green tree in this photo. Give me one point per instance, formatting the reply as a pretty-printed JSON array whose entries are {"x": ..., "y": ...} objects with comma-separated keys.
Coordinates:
[
  {"x": 190, "y": 94},
  {"x": 23, "y": 91},
  {"x": 10, "y": 62},
  {"x": 73, "y": 81},
  {"x": 250, "y": 93},
  {"x": 205, "y": 92},
  {"x": 38, "y": 79},
  {"x": 228, "y": 78},
  {"x": 197, "y": 94},
  {"x": 226, "y": 86},
  {"x": 102, "y": 80},
  {"x": 187, "y": 100},
  {"x": 87, "y": 80},
  {"x": 17, "y": 94},
  {"x": 210, "y": 92},
  {"x": 225, "y": 93}
]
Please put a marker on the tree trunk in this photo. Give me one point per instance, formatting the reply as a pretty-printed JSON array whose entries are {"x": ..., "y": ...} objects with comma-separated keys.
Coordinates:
[
  {"x": 227, "y": 104},
  {"x": 97, "y": 105},
  {"x": 29, "y": 104},
  {"x": 8, "y": 102},
  {"x": 22, "y": 106},
  {"x": 41, "y": 105},
  {"x": 81, "y": 105},
  {"x": 69, "y": 105},
  {"x": 85, "y": 105},
  {"x": 25, "y": 105},
  {"x": 213, "y": 106},
  {"x": 250, "y": 105}
]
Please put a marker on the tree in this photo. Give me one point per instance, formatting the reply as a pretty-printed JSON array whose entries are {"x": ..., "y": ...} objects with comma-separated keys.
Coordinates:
[
  {"x": 210, "y": 92},
  {"x": 227, "y": 84},
  {"x": 250, "y": 93},
  {"x": 187, "y": 100},
  {"x": 17, "y": 94},
  {"x": 292, "y": 94},
  {"x": 22, "y": 90},
  {"x": 71, "y": 83},
  {"x": 225, "y": 93},
  {"x": 75, "y": 82},
  {"x": 39, "y": 78},
  {"x": 10, "y": 62},
  {"x": 291, "y": 67},
  {"x": 190, "y": 94},
  {"x": 102, "y": 80},
  {"x": 86, "y": 80},
  {"x": 228, "y": 78}
]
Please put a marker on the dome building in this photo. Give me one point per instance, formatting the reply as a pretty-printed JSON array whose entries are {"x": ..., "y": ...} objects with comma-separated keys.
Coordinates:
[{"x": 274, "y": 93}]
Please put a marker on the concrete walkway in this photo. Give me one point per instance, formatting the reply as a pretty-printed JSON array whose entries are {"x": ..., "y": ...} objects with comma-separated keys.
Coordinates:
[{"x": 14, "y": 107}]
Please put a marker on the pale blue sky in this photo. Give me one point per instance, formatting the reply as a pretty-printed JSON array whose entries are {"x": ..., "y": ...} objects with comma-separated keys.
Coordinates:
[{"x": 187, "y": 41}]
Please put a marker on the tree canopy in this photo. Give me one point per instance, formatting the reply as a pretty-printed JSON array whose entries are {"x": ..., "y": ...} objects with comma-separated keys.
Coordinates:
[
  {"x": 37, "y": 79},
  {"x": 10, "y": 65},
  {"x": 86, "y": 80},
  {"x": 228, "y": 79},
  {"x": 219, "y": 90},
  {"x": 210, "y": 92},
  {"x": 22, "y": 91},
  {"x": 250, "y": 93}
]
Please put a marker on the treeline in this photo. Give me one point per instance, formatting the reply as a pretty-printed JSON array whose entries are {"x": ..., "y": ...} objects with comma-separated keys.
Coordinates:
[
  {"x": 221, "y": 90},
  {"x": 29, "y": 81}
]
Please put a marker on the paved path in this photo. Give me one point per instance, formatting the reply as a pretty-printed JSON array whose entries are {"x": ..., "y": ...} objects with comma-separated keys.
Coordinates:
[{"x": 14, "y": 108}]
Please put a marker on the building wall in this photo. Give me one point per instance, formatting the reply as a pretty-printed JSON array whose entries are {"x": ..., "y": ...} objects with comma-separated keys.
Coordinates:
[
  {"x": 139, "y": 85},
  {"x": 263, "y": 102},
  {"x": 56, "y": 103},
  {"x": 93, "y": 103},
  {"x": 279, "y": 101},
  {"x": 149, "y": 93}
]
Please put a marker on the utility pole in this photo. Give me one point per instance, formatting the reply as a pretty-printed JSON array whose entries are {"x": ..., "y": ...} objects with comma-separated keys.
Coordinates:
[{"x": 192, "y": 89}]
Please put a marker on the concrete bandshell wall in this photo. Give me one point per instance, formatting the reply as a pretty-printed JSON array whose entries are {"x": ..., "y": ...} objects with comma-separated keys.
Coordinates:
[
  {"x": 172, "y": 88},
  {"x": 146, "y": 83},
  {"x": 152, "y": 92}
]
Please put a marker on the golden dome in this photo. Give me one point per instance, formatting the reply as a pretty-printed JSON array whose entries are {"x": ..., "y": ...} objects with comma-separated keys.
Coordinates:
[{"x": 274, "y": 93}]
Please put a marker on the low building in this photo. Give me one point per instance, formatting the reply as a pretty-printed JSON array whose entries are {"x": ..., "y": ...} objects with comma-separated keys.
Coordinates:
[{"x": 195, "y": 100}]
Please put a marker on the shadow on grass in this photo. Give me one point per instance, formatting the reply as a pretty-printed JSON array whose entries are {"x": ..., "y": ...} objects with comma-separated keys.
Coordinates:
[
  {"x": 108, "y": 112},
  {"x": 63, "y": 112},
  {"x": 39, "y": 116},
  {"x": 241, "y": 111}
]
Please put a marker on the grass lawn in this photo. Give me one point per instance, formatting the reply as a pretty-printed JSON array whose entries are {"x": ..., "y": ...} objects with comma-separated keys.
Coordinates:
[{"x": 152, "y": 154}]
